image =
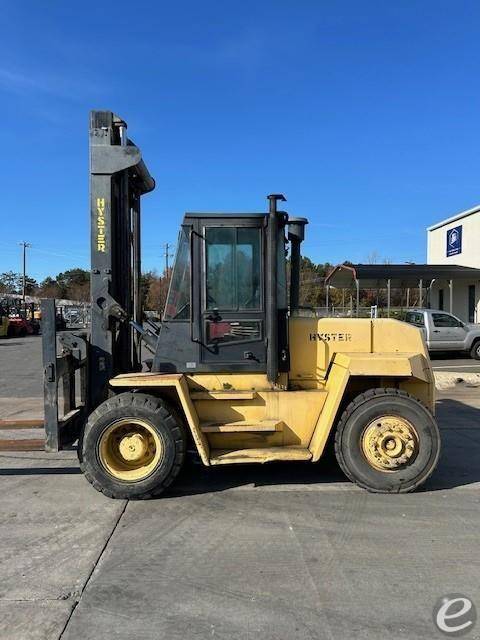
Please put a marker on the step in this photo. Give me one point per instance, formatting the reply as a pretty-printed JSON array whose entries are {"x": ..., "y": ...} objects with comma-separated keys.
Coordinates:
[
  {"x": 263, "y": 454},
  {"x": 223, "y": 395},
  {"x": 242, "y": 426}
]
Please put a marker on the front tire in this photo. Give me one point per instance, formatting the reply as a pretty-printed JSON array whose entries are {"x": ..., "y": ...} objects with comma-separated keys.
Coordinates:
[
  {"x": 387, "y": 441},
  {"x": 475, "y": 350},
  {"x": 132, "y": 447}
]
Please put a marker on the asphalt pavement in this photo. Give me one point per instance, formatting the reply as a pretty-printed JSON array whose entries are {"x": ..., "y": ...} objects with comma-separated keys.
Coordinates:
[
  {"x": 21, "y": 381},
  {"x": 454, "y": 362}
]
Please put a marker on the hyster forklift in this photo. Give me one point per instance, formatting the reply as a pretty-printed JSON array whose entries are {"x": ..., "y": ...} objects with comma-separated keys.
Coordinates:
[{"x": 238, "y": 372}]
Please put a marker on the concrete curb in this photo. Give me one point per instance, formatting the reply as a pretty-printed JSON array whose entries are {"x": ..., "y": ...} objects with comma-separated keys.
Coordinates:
[{"x": 449, "y": 379}]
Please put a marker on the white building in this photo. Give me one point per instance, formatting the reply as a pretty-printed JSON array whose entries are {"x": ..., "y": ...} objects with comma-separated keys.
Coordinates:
[{"x": 456, "y": 242}]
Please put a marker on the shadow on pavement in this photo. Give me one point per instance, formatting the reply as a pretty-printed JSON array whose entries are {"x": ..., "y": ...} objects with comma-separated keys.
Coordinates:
[
  {"x": 197, "y": 479},
  {"x": 460, "y": 431},
  {"x": 40, "y": 471},
  {"x": 451, "y": 355}
]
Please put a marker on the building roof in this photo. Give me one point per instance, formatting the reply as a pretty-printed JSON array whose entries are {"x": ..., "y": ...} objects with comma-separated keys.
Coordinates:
[
  {"x": 400, "y": 275},
  {"x": 457, "y": 216}
]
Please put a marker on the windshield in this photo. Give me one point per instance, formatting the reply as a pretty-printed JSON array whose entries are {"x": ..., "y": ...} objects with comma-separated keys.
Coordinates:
[{"x": 178, "y": 300}]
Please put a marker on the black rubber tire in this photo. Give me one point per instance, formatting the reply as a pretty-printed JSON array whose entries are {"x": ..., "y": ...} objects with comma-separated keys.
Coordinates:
[
  {"x": 475, "y": 350},
  {"x": 161, "y": 417},
  {"x": 359, "y": 414}
]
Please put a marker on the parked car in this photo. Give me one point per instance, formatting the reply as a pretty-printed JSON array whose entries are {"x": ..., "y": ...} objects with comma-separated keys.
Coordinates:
[{"x": 445, "y": 332}]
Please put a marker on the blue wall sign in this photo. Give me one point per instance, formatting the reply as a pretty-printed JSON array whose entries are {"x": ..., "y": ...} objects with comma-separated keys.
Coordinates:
[{"x": 454, "y": 241}]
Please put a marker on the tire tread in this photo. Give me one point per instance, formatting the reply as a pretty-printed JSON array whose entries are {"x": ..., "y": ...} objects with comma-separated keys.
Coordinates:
[
  {"x": 362, "y": 398},
  {"x": 157, "y": 406}
]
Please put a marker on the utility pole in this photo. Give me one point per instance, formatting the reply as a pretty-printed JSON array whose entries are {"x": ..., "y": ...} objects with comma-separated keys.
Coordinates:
[
  {"x": 167, "y": 255},
  {"x": 24, "y": 245}
]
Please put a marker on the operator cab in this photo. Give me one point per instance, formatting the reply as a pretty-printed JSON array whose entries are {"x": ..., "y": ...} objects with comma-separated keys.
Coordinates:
[{"x": 228, "y": 294}]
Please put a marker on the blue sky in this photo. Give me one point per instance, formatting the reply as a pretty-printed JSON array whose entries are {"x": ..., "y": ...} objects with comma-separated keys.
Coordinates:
[{"x": 365, "y": 114}]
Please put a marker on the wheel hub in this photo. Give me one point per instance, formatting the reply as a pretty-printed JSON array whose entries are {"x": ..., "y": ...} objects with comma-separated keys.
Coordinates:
[
  {"x": 133, "y": 447},
  {"x": 390, "y": 443},
  {"x": 130, "y": 449}
]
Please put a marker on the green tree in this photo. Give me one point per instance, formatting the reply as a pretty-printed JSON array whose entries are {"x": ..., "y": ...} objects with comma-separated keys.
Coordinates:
[
  {"x": 49, "y": 288},
  {"x": 31, "y": 286},
  {"x": 73, "y": 277},
  {"x": 10, "y": 282},
  {"x": 74, "y": 284}
]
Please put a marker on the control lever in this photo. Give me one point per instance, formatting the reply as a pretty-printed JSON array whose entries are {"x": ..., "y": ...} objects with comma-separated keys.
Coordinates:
[
  {"x": 149, "y": 338},
  {"x": 153, "y": 326},
  {"x": 214, "y": 316}
]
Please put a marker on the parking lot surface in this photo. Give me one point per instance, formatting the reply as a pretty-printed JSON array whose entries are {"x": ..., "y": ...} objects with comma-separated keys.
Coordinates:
[
  {"x": 454, "y": 362},
  {"x": 275, "y": 551},
  {"x": 21, "y": 383}
]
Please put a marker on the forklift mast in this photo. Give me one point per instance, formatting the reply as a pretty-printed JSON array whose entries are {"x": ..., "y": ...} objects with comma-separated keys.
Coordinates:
[{"x": 118, "y": 178}]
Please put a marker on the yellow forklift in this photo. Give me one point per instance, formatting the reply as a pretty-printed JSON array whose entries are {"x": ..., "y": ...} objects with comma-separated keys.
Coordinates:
[
  {"x": 238, "y": 372},
  {"x": 4, "y": 322},
  {"x": 3, "y": 325}
]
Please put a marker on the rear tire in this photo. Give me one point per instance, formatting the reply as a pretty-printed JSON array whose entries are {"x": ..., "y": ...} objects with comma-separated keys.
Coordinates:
[
  {"x": 132, "y": 447},
  {"x": 475, "y": 350},
  {"x": 387, "y": 441}
]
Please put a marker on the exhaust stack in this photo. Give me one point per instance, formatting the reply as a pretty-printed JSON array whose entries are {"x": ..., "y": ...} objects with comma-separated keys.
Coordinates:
[{"x": 296, "y": 235}]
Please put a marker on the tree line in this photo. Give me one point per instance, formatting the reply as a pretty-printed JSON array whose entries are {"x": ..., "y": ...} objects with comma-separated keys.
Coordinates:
[{"x": 74, "y": 284}]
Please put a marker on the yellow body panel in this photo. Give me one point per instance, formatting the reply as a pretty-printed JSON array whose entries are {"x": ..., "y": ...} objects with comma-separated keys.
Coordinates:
[
  {"x": 297, "y": 410},
  {"x": 232, "y": 381},
  {"x": 237, "y": 411},
  {"x": 314, "y": 342},
  {"x": 263, "y": 454}
]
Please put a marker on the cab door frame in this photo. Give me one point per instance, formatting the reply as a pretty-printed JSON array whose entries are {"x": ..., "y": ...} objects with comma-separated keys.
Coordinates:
[{"x": 236, "y": 355}]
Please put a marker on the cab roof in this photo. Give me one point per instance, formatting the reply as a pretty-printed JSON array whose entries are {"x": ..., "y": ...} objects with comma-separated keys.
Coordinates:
[{"x": 197, "y": 214}]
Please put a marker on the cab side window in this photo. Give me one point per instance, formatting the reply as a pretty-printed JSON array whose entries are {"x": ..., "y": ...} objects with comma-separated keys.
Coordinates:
[
  {"x": 233, "y": 266},
  {"x": 416, "y": 318},
  {"x": 445, "y": 320}
]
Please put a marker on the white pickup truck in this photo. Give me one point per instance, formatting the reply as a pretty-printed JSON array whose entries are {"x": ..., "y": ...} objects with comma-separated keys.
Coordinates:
[{"x": 445, "y": 332}]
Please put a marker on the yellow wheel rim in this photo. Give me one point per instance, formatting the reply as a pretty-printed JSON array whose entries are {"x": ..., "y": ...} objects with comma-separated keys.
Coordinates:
[
  {"x": 390, "y": 443},
  {"x": 130, "y": 449}
]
